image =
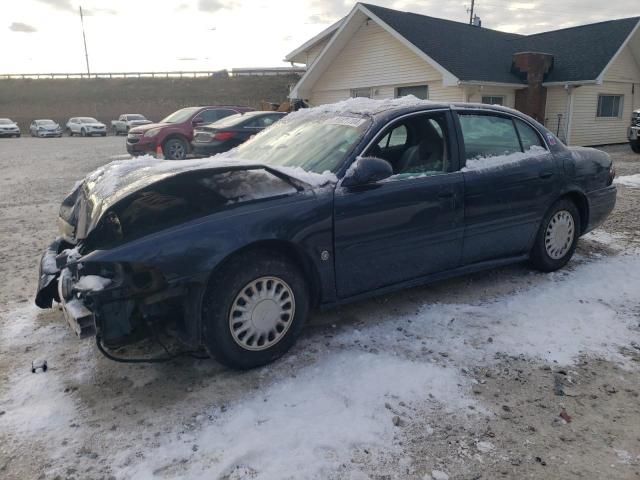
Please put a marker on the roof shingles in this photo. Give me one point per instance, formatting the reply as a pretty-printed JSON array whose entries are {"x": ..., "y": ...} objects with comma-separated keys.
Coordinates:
[{"x": 481, "y": 54}]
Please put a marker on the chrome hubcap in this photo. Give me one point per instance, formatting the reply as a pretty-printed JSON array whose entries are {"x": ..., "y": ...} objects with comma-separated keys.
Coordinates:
[
  {"x": 262, "y": 313},
  {"x": 559, "y": 235}
]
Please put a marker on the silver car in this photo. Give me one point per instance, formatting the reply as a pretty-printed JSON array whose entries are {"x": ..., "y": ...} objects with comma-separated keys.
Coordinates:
[
  {"x": 45, "y": 128},
  {"x": 9, "y": 128}
]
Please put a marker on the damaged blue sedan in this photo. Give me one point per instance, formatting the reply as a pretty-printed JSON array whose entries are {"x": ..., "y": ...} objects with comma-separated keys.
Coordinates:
[{"x": 329, "y": 205}]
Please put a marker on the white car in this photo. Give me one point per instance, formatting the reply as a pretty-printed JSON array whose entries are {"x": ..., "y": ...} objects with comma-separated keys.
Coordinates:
[
  {"x": 9, "y": 128},
  {"x": 45, "y": 128},
  {"x": 128, "y": 121},
  {"x": 86, "y": 127}
]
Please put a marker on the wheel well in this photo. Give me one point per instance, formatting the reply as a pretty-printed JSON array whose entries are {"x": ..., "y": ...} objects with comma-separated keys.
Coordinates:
[
  {"x": 581, "y": 203},
  {"x": 289, "y": 250},
  {"x": 178, "y": 137}
]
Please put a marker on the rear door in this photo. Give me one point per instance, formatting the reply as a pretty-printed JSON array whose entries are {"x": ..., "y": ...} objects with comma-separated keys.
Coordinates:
[
  {"x": 407, "y": 226},
  {"x": 510, "y": 179}
]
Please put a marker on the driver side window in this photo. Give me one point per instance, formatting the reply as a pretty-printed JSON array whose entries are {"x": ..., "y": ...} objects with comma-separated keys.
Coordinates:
[{"x": 415, "y": 146}]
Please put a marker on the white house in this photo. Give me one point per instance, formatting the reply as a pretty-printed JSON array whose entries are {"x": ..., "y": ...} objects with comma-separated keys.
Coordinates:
[{"x": 582, "y": 82}]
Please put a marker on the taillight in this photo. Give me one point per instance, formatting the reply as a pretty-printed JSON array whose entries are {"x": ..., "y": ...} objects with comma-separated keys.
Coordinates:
[{"x": 224, "y": 136}]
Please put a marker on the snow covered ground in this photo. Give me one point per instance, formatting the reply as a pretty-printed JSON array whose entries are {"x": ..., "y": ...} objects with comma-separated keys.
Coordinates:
[{"x": 462, "y": 379}]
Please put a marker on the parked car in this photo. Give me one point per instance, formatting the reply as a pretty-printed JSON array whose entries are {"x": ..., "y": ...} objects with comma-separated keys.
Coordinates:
[
  {"x": 230, "y": 132},
  {"x": 86, "y": 127},
  {"x": 45, "y": 128},
  {"x": 329, "y": 205},
  {"x": 634, "y": 131},
  {"x": 175, "y": 133},
  {"x": 9, "y": 128},
  {"x": 127, "y": 121}
]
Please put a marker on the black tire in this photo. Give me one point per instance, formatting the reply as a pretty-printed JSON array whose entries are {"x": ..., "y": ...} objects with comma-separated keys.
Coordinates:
[
  {"x": 18, "y": 135},
  {"x": 540, "y": 256},
  {"x": 635, "y": 146},
  {"x": 103, "y": 134},
  {"x": 175, "y": 149},
  {"x": 83, "y": 133},
  {"x": 224, "y": 288},
  {"x": 70, "y": 132}
]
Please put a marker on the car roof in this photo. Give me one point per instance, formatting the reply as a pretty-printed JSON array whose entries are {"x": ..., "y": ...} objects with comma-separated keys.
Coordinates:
[{"x": 43, "y": 120}]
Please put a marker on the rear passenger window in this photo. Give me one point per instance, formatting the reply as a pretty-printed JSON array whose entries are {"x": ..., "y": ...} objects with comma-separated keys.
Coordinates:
[
  {"x": 528, "y": 136},
  {"x": 488, "y": 136}
]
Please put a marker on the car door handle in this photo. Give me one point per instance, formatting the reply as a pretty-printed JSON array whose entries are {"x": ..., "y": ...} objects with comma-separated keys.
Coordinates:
[{"x": 545, "y": 174}]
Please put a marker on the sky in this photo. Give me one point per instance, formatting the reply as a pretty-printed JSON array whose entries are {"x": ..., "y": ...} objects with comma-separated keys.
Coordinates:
[{"x": 42, "y": 36}]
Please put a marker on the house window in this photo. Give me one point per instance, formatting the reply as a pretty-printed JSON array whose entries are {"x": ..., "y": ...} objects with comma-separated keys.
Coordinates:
[
  {"x": 361, "y": 92},
  {"x": 610, "y": 106},
  {"x": 419, "y": 91},
  {"x": 493, "y": 99}
]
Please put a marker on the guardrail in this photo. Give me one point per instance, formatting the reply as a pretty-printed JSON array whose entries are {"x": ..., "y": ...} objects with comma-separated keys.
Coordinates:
[{"x": 238, "y": 72}]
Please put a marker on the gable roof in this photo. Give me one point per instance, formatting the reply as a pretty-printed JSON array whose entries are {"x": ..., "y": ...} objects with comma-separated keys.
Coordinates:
[
  {"x": 467, "y": 53},
  {"x": 481, "y": 54}
]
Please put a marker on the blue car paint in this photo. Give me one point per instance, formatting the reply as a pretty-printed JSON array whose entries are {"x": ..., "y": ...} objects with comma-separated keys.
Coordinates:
[{"x": 387, "y": 235}]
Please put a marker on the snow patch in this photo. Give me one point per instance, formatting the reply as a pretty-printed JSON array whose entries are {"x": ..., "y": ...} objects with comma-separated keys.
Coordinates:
[
  {"x": 310, "y": 424},
  {"x": 628, "y": 180},
  {"x": 486, "y": 163}
]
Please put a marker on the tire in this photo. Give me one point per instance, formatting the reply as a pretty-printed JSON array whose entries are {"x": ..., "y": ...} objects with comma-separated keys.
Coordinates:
[
  {"x": 557, "y": 238},
  {"x": 230, "y": 286},
  {"x": 83, "y": 133},
  {"x": 175, "y": 149},
  {"x": 70, "y": 132},
  {"x": 103, "y": 134},
  {"x": 635, "y": 146}
]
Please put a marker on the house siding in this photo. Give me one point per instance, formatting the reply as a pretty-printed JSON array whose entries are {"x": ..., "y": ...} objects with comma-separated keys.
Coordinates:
[
  {"x": 315, "y": 51},
  {"x": 557, "y": 104},
  {"x": 475, "y": 95},
  {"x": 374, "y": 58},
  {"x": 624, "y": 68},
  {"x": 586, "y": 128}
]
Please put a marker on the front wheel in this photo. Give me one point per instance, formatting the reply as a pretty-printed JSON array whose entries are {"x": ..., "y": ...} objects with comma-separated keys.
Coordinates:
[
  {"x": 83, "y": 133},
  {"x": 557, "y": 238},
  {"x": 70, "y": 132},
  {"x": 254, "y": 309},
  {"x": 635, "y": 146},
  {"x": 175, "y": 149}
]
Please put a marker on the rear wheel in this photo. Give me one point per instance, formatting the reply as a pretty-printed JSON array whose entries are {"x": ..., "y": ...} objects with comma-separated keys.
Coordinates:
[
  {"x": 635, "y": 146},
  {"x": 254, "y": 309},
  {"x": 175, "y": 149},
  {"x": 557, "y": 238}
]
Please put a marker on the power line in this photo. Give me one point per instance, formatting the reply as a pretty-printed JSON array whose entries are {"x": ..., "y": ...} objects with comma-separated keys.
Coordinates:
[{"x": 473, "y": 3}]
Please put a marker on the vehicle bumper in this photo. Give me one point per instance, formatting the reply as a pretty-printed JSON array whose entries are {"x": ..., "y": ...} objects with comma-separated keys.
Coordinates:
[
  {"x": 49, "y": 134},
  {"x": 634, "y": 133},
  {"x": 9, "y": 133},
  {"x": 601, "y": 204},
  {"x": 205, "y": 150},
  {"x": 142, "y": 146}
]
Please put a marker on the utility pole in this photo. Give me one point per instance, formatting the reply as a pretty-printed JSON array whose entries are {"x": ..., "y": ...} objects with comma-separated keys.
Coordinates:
[
  {"x": 471, "y": 10},
  {"x": 84, "y": 39}
]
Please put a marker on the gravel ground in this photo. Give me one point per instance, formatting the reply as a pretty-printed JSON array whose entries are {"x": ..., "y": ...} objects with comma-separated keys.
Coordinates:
[{"x": 491, "y": 413}]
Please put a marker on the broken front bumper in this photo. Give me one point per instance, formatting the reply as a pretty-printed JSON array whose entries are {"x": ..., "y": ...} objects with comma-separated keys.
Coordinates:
[{"x": 56, "y": 283}]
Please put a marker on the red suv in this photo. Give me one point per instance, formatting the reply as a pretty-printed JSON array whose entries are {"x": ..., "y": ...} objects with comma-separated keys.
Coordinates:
[{"x": 174, "y": 133}]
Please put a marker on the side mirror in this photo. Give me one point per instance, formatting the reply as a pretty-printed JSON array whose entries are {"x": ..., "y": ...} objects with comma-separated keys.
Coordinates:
[
  {"x": 367, "y": 170},
  {"x": 197, "y": 121}
]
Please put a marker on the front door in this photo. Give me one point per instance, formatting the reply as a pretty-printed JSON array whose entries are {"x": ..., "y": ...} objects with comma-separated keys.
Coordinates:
[{"x": 409, "y": 225}]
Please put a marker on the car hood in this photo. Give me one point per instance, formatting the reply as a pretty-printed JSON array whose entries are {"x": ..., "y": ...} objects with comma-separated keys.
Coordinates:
[
  {"x": 108, "y": 186},
  {"x": 93, "y": 124},
  {"x": 147, "y": 127},
  {"x": 10, "y": 126},
  {"x": 49, "y": 127}
]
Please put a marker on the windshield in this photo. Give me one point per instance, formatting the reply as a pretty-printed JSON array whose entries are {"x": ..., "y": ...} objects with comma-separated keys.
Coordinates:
[
  {"x": 5, "y": 121},
  {"x": 87, "y": 120},
  {"x": 45, "y": 122},
  {"x": 135, "y": 117},
  {"x": 316, "y": 143},
  {"x": 181, "y": 115}
]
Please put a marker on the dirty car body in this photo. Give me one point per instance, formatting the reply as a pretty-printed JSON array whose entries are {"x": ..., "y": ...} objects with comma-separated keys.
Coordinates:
[{"x": 142, "y": 242}]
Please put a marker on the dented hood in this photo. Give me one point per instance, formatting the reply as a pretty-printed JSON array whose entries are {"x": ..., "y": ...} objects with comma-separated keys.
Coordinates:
[{"x": 102, "y": 189}]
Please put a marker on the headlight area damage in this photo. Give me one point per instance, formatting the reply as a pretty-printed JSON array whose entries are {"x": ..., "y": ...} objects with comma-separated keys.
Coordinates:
[{"x": 102, "y": 270}]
